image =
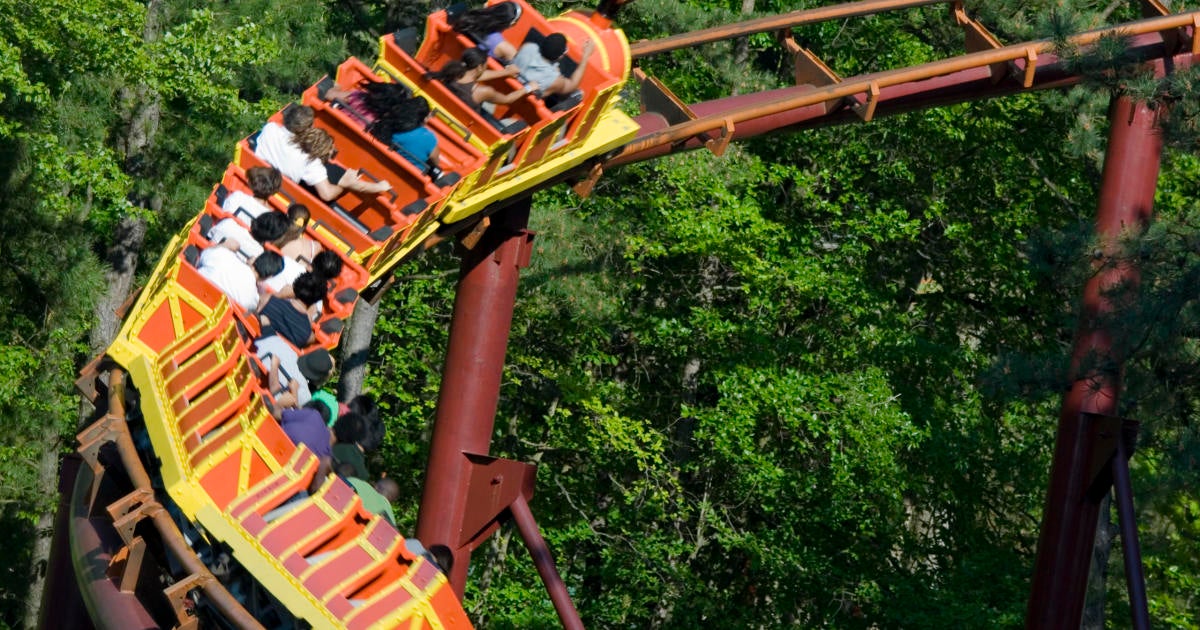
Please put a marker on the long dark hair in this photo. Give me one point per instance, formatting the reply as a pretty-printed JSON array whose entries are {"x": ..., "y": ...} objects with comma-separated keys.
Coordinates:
[
  {"x": 488, "y": 20},
  {"x": 454, "y": 70},
  {"x": 408, "y": 116},
  {"x": 383, "y": 98}
]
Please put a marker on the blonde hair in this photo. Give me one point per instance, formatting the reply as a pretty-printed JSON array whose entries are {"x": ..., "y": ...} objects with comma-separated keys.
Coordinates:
[{"x": 316, "y": 142}]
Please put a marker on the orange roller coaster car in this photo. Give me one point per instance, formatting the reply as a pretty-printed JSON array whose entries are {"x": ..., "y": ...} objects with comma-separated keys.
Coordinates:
[{"x": 232, "y": 476}]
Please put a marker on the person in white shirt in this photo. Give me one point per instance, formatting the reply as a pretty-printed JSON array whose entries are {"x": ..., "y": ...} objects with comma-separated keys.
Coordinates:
[
  {"x": 265, "y": 228},
  {"x": 240, "y": 282},
  {"x": 264, "y": 181},
  {"x": 292, "y": 147},
  {"x": 286, "y": 276}
]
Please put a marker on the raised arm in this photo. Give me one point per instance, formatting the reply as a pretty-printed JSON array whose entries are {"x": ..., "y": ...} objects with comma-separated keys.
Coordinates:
[{"x": 566, "y": 85}]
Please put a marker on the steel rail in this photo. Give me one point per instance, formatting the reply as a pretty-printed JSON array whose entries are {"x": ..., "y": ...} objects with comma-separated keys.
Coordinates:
[
  {"x": 114, "y": 425},
  {"x": 872, "y": 83},
  {"x": 647, "y": 48}
]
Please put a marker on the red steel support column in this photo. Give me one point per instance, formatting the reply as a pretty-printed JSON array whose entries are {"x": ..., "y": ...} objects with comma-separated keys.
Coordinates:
[
  {"x": 544, "y": 562},
  {"x": 1068, "y": 527},
  {"x": 470, "y": 391}
]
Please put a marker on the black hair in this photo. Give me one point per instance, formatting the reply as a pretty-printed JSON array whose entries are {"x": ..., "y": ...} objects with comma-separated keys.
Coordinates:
[
  {"x": 452, "y": 71},
  {"x": 327, "y": 265},
  {"x": 269, "y": 226},
  {"x": 309, "y": 288},
  {"x": 480, "y": 23},
  {"x": 364, "y": 405},
  {"x": 443, "y": 557},
  {"x": 381, "y": 99},
  {"x": 320, "y": 408},
  {"x": 351, "y": 428},
  {"x": 414, "y": 116},
  {"x": 473, "y": 58},
  {"x": 553, "y": 46},
  {"x": 409, "y": 116},
  {"x": 268, "y": 264}
]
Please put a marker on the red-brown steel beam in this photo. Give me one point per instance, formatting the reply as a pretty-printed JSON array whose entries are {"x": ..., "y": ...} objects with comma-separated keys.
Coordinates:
[
  {"x": 95, "y": 537},
  {"x": 543, "y": 561},
  {"x": 773, "y": 23},
  {"x": 958, "y": 79},
  {"x": 1130, "y": 176},
  {"x": 62, "y": 603},
  {"x": 470, "y": 390}
]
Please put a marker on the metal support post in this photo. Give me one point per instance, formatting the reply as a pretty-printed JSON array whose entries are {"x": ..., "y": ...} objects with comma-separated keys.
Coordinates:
[
  {"x": 62, "y": 603},
  {"x": 470, "y": 390},
  {"x": 1069, "y": 523},
  {"x": 1135, "y": 578},
  {"x": 544, "y": 561}
]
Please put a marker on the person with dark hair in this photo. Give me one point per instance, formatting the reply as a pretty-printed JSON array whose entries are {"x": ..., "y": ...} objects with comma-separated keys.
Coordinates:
[
  {"x": 327, "y": 265},
  {"x": 364, "y": 405},
  {"x": 264, "y": 181},
  {"x": 264, "y": 228},
  {"x": 267, "y": 265},
  {"x": 464, "y": 76},
  {"x": 306, "y": 425},
  {"x": 291, "y": 317},
  {"x": 485, "y": 26},
  {"x": 374, "y": 99},
  {"x": 269, "y": 227},
  {"x": 285, "y": 367},
  {"x": 309, "y": 289},
  {"x": 406, "y": 131},
  {"x": 241, "y": 283},
  {"x": 539, "y": 63},
  {"x": 350, "y": 431}
]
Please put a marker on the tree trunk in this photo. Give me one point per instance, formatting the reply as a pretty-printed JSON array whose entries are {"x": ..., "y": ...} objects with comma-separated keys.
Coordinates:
[
  {"x": 43, "y": 536},
  {"x": 1093, "y": 608},
  {"x": 122, "y": 258},
  {"x": 356, "y": 349},
  {"x": 741, "y": 46},
  {"x": 142, "y": 112}
]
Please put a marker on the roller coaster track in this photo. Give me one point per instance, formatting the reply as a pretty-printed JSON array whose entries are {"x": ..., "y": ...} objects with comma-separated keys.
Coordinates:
[{"x": 135, "y": 567}]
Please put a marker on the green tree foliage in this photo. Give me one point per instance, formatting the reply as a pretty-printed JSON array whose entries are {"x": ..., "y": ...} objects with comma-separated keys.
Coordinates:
[
  {"x": 110, "y": 112},
  {"x": 814, "y": 382}
]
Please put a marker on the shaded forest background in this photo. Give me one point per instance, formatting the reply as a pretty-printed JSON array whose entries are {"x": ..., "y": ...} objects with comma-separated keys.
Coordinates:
[{"x": 812, "y": 383}]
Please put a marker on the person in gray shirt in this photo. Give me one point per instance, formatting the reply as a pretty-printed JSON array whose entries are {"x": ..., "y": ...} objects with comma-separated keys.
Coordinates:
[
  {"x": 539, "y": 64},
  {"x": 308, "y": 372}
]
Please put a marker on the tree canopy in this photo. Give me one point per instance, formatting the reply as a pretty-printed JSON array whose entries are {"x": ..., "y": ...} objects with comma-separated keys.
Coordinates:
[{"x": 811, "y": 383}]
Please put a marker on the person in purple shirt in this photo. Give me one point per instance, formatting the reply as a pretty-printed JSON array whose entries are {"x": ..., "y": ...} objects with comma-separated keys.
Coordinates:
[
  {"x": 308, "y": 425},
  {"x": 484, "y": 25}
]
